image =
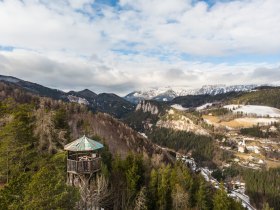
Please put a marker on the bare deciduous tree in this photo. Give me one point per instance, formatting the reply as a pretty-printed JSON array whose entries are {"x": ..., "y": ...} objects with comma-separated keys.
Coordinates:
[
  {"x": 180, "y": 198},
  {"x": 95, "y": 195},
  {"x": 141, "y": 201}
]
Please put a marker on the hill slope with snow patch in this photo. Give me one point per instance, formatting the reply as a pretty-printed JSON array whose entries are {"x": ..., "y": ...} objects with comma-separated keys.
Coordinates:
[{"x": 260, "y": 111}]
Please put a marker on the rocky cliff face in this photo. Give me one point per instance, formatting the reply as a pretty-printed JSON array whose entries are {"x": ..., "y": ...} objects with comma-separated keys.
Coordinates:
[
  {"x": 146, "y": 106},
  {"x": 177, "y": 121}
]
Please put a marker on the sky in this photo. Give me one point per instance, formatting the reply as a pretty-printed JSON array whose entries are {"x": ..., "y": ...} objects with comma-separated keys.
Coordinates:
[{"x": 121, "y": 46}]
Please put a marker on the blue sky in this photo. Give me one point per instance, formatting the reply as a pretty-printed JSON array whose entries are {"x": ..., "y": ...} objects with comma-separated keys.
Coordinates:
[{"x": 120, "y": 46}]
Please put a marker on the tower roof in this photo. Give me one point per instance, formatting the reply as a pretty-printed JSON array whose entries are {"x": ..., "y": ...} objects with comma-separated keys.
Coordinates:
[{"x": 83, "y": 144}]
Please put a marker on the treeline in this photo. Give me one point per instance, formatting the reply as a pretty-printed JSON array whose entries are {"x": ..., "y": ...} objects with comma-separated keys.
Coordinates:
[
  {"x": 254, "y": 131},
  {"x": 31, "y": 179},
  {"x": 137, "y": 185},
  {"x": 219, "y": 111},
  {"x": 263, "y": 186},
  {"x": 139, "y": 120},
  {"x": 198, "y": 100},
  {"x": 267, "y": 97},
  {"x": 202, "y": 147}
]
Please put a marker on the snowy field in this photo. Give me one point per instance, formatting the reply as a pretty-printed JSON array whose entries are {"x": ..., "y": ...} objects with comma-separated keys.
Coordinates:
[
  {"x": 260, "y": 111},
  {"x": 179, "y": 107},
  {"x": 204, "y": 106}
]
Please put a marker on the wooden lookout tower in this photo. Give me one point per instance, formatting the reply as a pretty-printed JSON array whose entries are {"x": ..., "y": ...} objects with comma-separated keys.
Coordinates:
[{"x": 83, "y": 161}]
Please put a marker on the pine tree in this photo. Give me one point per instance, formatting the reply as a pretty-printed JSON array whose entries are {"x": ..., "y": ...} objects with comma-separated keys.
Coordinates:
[
  {"x": 180, "y": 198},
  {"x": 201, "y": 197},
  {"x": 141, "y": 200},
  {"x": 133, "y": 178},
  {"x": 17, "y": 142},
  {"x": 153, "y": 190},
  {"x": 221, "y": 200},
  {"x": 134, "y": 174},
  {"x": 267, "y": 207},
  {"x": 236, "y": 205},
  {"x": 47, "y": 190},
  {"x": 164, "y": 189}
]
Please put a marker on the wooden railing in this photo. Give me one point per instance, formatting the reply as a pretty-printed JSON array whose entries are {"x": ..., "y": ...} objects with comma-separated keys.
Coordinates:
[{"x": 83, "y": 166}]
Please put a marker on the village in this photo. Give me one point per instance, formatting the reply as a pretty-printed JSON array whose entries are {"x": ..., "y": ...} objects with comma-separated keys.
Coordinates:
[
  {"x": 251, "y": 134},
  {"x": 251, "y": 152}
]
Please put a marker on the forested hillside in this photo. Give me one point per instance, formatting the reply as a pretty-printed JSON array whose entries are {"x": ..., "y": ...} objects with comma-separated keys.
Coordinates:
[
  {"x": 57, "y": 122},
  {"x": 263, "y": 186},
  {"x": 198, "y": 100},
  {"x": 202, "y": 147},
  {"x": 267, "y": 96},
  {"x": 105, "y": 102},
  {"x": 135, "y": 173},
  {"x": 146, "y": 113}
]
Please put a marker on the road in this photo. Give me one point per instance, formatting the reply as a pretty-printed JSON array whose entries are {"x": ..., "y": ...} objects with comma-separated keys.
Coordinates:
[{"x": 245, "y": 200}]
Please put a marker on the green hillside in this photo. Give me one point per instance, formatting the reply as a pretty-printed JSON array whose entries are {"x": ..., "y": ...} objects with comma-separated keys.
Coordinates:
[{"x": 266, "y": 97}]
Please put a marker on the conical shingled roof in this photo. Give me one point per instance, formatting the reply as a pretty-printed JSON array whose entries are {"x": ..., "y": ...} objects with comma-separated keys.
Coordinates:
[{"x": 83, "y": 144}]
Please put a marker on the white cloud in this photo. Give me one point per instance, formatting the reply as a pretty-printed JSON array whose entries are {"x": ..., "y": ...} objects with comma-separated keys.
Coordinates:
[
  {"x": 232, "y": 27},
  {"x": 120, "y": 74},
  {"x": 80, "y": 4},
  {"x": 71, "y": 43}
]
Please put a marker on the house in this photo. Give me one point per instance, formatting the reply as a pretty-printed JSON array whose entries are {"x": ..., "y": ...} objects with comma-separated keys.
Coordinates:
[
  {"x": 242, "y": 146},
  {"x": 273, "y": 129},
  {"x": 261, "y": 161},
  {"x": 254, "y": 149}
]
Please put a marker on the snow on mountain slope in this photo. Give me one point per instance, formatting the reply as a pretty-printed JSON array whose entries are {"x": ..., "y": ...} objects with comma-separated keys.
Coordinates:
[
  {"x": 204, "y": 106},
  {"x": 260, "y": 111},
  {"x": 159, "y": 94},
  {"x": 179, "y": 107},
  {"x": 169, "y": 93},
  {"x": 219, "y": 89}
]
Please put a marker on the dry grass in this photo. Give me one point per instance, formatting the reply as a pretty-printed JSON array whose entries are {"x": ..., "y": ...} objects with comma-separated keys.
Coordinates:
[
  {"x": 245, "y": 156},
  {"x": 272, "y": 164},
  {"x": 213, "y": 119},
  {"x": 232, "y": 123},
  {"x": 237, "y": 124}
]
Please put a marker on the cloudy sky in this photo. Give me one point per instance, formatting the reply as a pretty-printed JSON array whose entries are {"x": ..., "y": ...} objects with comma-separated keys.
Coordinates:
[{"x": 125, "y": 45}]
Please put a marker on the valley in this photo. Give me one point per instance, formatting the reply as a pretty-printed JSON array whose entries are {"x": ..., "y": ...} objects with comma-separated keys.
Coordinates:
[
  {"x": 245, "y": 137},
  {"x": 139, "y": 105},
  {"x": 228, "y": 142},
  {"x": 252, "y": 131}
]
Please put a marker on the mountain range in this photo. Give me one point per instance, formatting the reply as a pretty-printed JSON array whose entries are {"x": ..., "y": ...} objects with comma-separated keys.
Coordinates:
[
  {"x": 125, "y": 107},
  {"x": 169, "y": 93},
  {"x": 105, "y": 102},
  {"x": 151, "y": 128}
]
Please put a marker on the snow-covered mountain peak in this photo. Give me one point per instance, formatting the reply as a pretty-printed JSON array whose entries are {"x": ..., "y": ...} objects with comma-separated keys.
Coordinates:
[{"x": 168, "y": 93}]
